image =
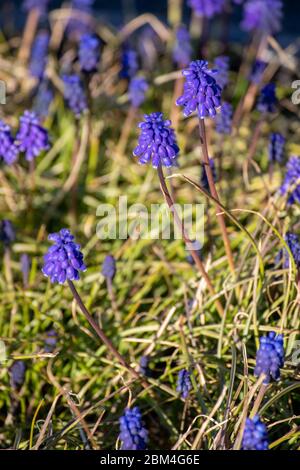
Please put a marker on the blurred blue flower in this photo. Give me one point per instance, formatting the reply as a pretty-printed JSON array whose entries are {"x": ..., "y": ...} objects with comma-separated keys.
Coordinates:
[
  {"x": 276, "y": 147},
  {"x": 9, "y": 152},
  {"x": 80, "y": 25},
  {"x": 144, "y": 366},
  {"x": 262, "y": 15},
  {"x": 43, "y": 99},
  {"x": 184, "y": 383},
  {"x": 64, "y": 259},
  {"x": 255, "y": 435},
  {"x": 224, "y": 119},
  {"x": 109, "y": 267},
  {"x": 201, "y": 91},
  {"x": 133, "y": 435},
  {"x": 182, "y": 51},
  {"x": 157, "y": 142},
  {"x": 270, "y": 357},
  {"x": 137, "y": 91},
  {"x": 129, "y": 63},
  {"x": 291, "y": 183},
  {"x": 293, "y": 243},
  {"x": 206, "y": 8},
  {"x": 89, "y": 52},
  {"x": 40, "y": 5},
  {"x": 32, "y": 138},
  {"x": 221, "y": 64},
  {"x": 39, "y": 58},
  {"x": 7, "y": 232},
  {"x": 74, "y": 94},
  {"x": 257, "y": 71},
  {"x": 267, "y": 99},
  {"x": 17, "y": 374}
]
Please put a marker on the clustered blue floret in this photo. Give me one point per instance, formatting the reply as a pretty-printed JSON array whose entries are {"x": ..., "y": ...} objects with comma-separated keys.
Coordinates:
[
  {"x": 133, "y": 435},
  {"x": 270, "y": 357},
  {"x": 137, "y": 91},
  {"x": 267, "y": 99},
  {"x": 182, "y": 51},
  {"x": 276, "y": 147},
  {"x": 224, "y": 119},
  {"x": 38, "y": 59},
  {"x": 17, "y": 374},
  {"x": 206, "y": 8},
  {"x": 63, "y": 260},
  {"x": 7, "y": 232},
  {"x": 109, "y": 267},
  {"x": 255, "y": 435},
  {"x": 184, "y": 383},
  {"x": 221, "y": 64},
  {"x": 157, "y": 142},
  {"x": 43, "y": 99},
  {"x": 32, "y": 138},
  {"x": 293, "y": 243},
  {"x": 89, "y": 52},
  {"x": 144, "y": 366},
  {"x": 291, "y": 183},
  {"x": 201, "y": 91},
  {"x": 8, "y": 149},
  {"x": 257, "y": 71},
  {"x": 263, "y": 16},
  {"x": 74, "y": 94},
  {"x": 129, "y": 63}
]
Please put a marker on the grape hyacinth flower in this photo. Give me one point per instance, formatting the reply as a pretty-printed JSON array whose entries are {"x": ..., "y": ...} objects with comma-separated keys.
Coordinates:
[
  {"x": 184, "y": 383},
  {"x": 276, "y": 148},
  {"x": 144, "y": 366},
  {"x": 157, "y": 142},
  {"x": 38, "y": 60},
  {"x": 206, "y": 8},
  {"x": 291, "y": 183},
  {"x": 263, "y": 16},
  {"x": 32, "y": 138},
  {"x": 64, "y": 259},
  {"x": 17, "y": 374},
  {"x": 257, "y": 71},
  {"x": 221, "y": 64},
  {"x": 8, "y": 150},
  {"x": 129, "y": 64},
  {"x": 7, "y": 232},
  {"x": 255, "y": 435},
  {"x": 89, "y": 52},
  {"x": 182, "y": 51},
  {"x": 270, "y": 357},
  {"x": 204, "y": 180},
  {"x": 133, "y": 435},
  {"x": 109, "y": 267},
  {"x": 74, "y": 94},
  {"x": 137, "y": 91},
  {"x": 224, "y": 119},
  {"x": 201, "y": 91},
  {"x": 40, "y": 5},
  {"x": 43, "y": 100},
  {"x": 50, "y": 341},
  {"x": 293, "y": 243},
  {"x": 80, "y": 25},
  {"x": 267, "y": 100}
]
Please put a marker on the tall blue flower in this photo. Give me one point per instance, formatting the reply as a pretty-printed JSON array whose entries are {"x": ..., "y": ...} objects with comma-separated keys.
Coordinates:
[
  {"x": 276, "y": 147},
  {"x": 74, "y": 94},
  {"x": 63, "y": 260},
  {"x": 255, "y": 435},
  {"x": 7, "y": 232},
  {"x": 17, "y": 374},
  {"x": 89, "y": 52},
  {"x": 129, "y": 63},
  {"x": 157, "y": 142},
  {"x": 144, "y": 366},
  {"x": 182, "y": 52},
  {"x": 184, "y": 383},
  {"x": 201, "y": 91},
  {"x": 32, "y": 138},
  {"x": 267, "y": 100},
  {"x": 257, "y": 71},
  {"x": 291, "y": 183},
  {"x": 224, "y": 119},
  {"x": 203, "y": 179},
  {"x": 137, "y": 91},
  {"x": 40, "y": 5},
  {"x": 38, "y": 59},
  {"x": 80, "y": 24},
  {"x": 221, "y": 64},
  {"x": 109, "y": 267},
  {"x": 270, "y": 357},
  {"x": 262, "y": 15},
  {"x": 293, "y": 243},
  {"x": 206, "y": 8},
  {"x": 8, "y": 149},
  {"x": 43, "y": 100},
  {"x": 133, "y": 435}
]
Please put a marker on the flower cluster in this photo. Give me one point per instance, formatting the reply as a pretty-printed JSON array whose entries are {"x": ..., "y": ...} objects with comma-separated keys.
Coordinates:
[
  {"x": 137, "y": 91},
  {"x": 291, "y": 183},
  {"x": 270, "y": 357},
  {"x": 74, "y": 94},
  {"x": 293, "y": 243},
  {"x": 203, "y": 179},
  {"x": 224, "y": 119},
  {"x": 206, "y": 8},
  {"x": 184, "y": 383},
  {"x": 79, "y": 25},
  {"x": 201, "y": 91},
  {"x": 221, "y": 64},
  {"x": 109, "y": 267},
  {"x": 7, "y": 232},
  {"x": 267, "y": 100},
  {"x": 8, "y": 149},
  {"x": 133, "y": 435},
  {"x": 38, "y": 59},
  {"x": 157, "y": 142},
  {"x": 40, "y": 5},
  {"x": 89, "y": 52},
  {"x": 182, "y": 51},
  {"x": 257, "y": 71},
  {"x": 64, "y": 260},
  {"x": 129, "y": 66},
  {"x": 17, "y": 374},
  {"x": 32, "y": 138},
  {"x": 144, "y": 366},
  {"x": 276, "y": 147},
  {"x": 255, "y": 435},
  {"x": 262, "y": 15},
  {"x": 43, "y": 100}
]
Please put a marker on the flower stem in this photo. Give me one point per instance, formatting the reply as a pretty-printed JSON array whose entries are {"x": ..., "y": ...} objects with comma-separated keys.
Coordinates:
[
  {"x": 214, "y": 193},
  {"x": 259, "y": 399},
  {"x": 102, "y": 335},
  {"x": 171, "y": 204}
]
